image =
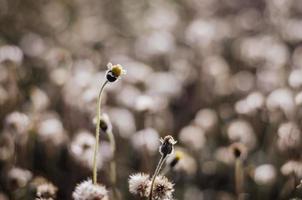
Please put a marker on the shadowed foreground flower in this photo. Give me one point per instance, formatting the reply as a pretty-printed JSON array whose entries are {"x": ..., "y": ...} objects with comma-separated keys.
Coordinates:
[
  {"x": 139, "y": 184},
  {"x": 46, "y": 191},
  {"x": 162, "y": 189},
  {"x": 89, "y": 191}
]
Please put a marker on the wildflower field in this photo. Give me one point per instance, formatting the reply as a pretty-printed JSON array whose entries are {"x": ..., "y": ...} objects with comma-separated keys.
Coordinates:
[{"x": 151, "y": 99}]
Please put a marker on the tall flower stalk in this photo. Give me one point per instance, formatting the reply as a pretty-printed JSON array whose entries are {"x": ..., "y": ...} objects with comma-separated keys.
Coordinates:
[
  {"x": 113, "y": 74},
  {"x": 97, "y": 132}
]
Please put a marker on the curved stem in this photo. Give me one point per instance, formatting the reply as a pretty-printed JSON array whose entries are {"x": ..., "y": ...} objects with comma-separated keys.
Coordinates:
[
  {"x": 157, "y": 170},
  {"x": 97, "y": 133}
]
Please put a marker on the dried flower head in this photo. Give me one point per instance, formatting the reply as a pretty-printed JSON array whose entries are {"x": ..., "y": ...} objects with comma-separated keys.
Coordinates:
[
  {"x": 167, "y": 145},
  {"x": 105, "y": 124},
  {"x": 238, "y": 150},
  {"x": 139, "y": 184},
  {"x": 163, "y": 189},
  {"x": 46, "y": 191},
  {"x": 89, "y": 191},
  {"x": 114, "y": 72}
]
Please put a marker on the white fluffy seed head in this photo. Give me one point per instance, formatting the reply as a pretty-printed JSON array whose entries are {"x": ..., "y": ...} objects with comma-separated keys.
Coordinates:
[
  {"x": 163, "y": 189},
  {"x": 89, "y": 191},
  {"x": 139, "y": 184}
]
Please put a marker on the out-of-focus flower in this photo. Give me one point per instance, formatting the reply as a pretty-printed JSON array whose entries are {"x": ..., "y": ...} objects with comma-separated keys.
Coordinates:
[
  {"x": 139, "y": 184},
  {"x": 242, "y": 131},
  {"x": 288, "y": 136},
  {"x": 123, "y": 120},
  {"x": 127, "y": 96},
  {"x": 193, "y": 137},
  {"x": 146, "y": 139},
  {"x": 298, "y": 99},
  {"x": 18, "y": 177},
  {"x": 145, "y": 103},
  {"x": 263, "y": 48},
  {"x": 33, "y": 45},
  {"x": 243, "y": 82},
  {"x": 154, "y": 44},
  {"x": 292, "y": 167},
  {"x": 39, "y": 99},
  {"x": 270, "y": 79},
  {"x": 294, "y": 78},
  {"x": 82, "y": 149},
  {"x": 11, "y": 53},
  {"x": 163, "y": 84},
  {"x": 224, "y": 155},
  {"x": 89, "y": 191},
  {"x": 206, "y": 118},
  {"x": 281, "y": 99},
  {"x": 46, "y": 191},
  {"x": 17, "y": 123},
  {"x": 137, "y": 72},
  {"x": 265, "y": 174},
  {"x": 51, "y": 131},
  {"x": 204, "y": 33},
  {"x": 250, "y": 104},
  {"x": 180, "y": 161}
]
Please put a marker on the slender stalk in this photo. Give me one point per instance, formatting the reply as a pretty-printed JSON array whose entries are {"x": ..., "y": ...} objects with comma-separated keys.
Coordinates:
[
  {"x": 238, "y": 178},
  {"x": 157, "y": 170},
  {"x": 112, "y": 162},
  {"x": 97, "y": 133}
]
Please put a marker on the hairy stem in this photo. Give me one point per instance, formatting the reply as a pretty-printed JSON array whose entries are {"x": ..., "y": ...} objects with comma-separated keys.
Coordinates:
[
  {"x": 157, "y": 170},
  {"x": 238, "y": 178},
  {"x": 97, "y": 133},
  {"x": 112, "y": 163}
]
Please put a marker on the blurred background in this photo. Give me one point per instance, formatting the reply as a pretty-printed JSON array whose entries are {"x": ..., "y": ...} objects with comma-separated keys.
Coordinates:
[{"x": 208, "y": 72}]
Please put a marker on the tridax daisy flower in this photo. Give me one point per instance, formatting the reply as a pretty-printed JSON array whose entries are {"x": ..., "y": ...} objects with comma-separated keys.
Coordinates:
[{"x": 114, "y": 72}]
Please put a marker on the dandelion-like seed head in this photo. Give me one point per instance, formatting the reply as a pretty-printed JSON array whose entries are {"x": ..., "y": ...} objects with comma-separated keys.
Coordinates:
[
  {"x": 167, "y": 145},
  {"x": 139, "y": 184},
  {"x": 114, "y": 72},
  {"x": 89, "y": 191},
  {"x": 163, "y": 188}
]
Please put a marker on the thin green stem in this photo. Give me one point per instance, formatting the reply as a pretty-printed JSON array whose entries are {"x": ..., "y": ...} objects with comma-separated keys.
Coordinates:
[
  {"x": 97, "y": 133},
  {"x": 157, "y": 170}
]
